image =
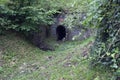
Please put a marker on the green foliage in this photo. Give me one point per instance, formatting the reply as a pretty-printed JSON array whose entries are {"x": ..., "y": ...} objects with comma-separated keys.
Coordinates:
[
  {"x": 1, "y": 70},
  {"x": 74, "y": 20},
  {"x": 3, "y": 1},
  {"x": 106, "y": 49},
  {"x": 76, "y": 12},
  {"x": 25, "y": 15}
]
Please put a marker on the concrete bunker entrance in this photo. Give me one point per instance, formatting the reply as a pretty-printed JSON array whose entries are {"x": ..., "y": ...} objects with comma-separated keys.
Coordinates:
[{"x": 61, "y": 32}]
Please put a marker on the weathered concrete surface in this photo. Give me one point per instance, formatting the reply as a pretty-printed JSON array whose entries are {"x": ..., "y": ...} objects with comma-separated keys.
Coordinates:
[
  {"x": 76, "y": 33},
  {"x": 38, "y": 38}
]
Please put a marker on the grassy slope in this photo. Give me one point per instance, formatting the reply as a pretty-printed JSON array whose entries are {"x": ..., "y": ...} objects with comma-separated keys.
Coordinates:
[{"x": 23, "y": 61}]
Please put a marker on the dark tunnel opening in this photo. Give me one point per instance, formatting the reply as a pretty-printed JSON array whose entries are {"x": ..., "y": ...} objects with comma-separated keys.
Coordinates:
[{"x": 61, "y": 32}]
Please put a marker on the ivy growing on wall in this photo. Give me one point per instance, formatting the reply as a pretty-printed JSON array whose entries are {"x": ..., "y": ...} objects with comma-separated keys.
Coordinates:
[{"x": 106, "y": 49}]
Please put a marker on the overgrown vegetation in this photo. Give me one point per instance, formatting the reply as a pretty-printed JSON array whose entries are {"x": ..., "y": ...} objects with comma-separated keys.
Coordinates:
[
  {"x": 106, "y": 49},
  {"x": 27, "y": 15}
]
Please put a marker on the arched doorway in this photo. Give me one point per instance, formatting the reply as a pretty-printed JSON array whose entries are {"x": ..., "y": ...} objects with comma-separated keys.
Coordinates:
[{"x": 61, "y": 32}]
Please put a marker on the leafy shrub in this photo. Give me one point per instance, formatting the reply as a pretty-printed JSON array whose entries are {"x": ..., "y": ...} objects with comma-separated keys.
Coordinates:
[{"x": 25, "y": 15}]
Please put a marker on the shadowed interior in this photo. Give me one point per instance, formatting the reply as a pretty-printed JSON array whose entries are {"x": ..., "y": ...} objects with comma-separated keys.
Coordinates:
[{"x": 61, "y": 32}]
